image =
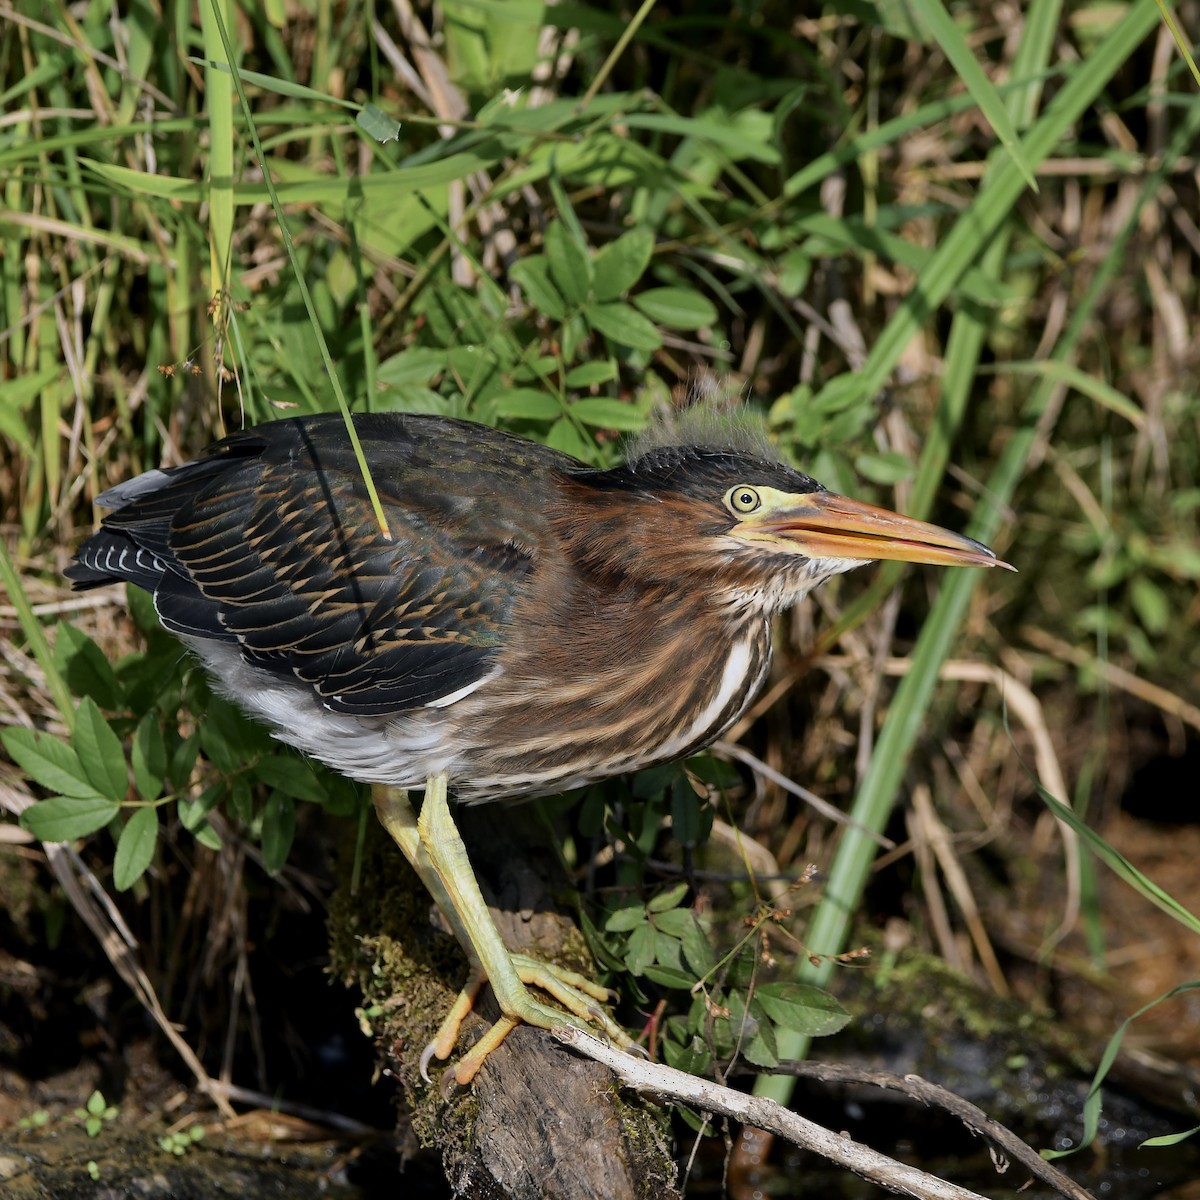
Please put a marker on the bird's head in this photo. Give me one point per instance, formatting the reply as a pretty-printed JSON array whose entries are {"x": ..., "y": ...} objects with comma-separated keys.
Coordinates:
[{"x": 736, "y": 524}]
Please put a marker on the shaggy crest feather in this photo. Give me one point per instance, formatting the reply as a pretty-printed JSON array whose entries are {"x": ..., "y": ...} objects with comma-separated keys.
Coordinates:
[{"x": 708, "y": 425}]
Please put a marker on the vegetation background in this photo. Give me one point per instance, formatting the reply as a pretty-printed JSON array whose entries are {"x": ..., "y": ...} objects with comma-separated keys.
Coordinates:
[{"x": 949, "y": 253}]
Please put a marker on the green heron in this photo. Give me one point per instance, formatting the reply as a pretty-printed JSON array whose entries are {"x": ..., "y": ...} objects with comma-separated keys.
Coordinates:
[{"x": 529, "y": 624}]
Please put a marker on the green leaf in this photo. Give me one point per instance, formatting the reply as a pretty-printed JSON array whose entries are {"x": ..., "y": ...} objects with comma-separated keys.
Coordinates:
[
  {"x": 148, "y": 757},
  {"x": 418, "y": 365},
  {"x": 533, "y": 276},
  {"x": 671, "y": 977},
  {"x": 135, "y": 847},
  {"x": 672, "y": 897},
  {"x": 623, "y": 325},
  {"x": 697, "y": 950},
  {"x": 802, "y": 1007},
  {"x": 1088, "y": 385},
  {"x": 240, "y": 804},
  {"x": 760, "y": 1048},
  {"x": 278, "y": 830},
  {"x": 1151, "y": 604},
  {"x": 564, "y": 436},
  {"x": 676, "y": 307},
  {"x": 589, "y": 374},
  {"x": 1170, "y": 1139},
  {"x": 887, "y": 468},
  {"x": 691, "y": 817},
  {"x": 625, "y": 920},
  {"x": 640, "y": 952},
  {"x": 183, "y": 761},
  {"x": 272, "y": 83},
  {"x": 934, "y": 16},
  {"x": 64, "y": 818},
  {"x": 206, "y": 835},
  {"x": 570, "y": 263},
  {"x": 192, "y": 813},
  {"x": 620, "y": 264},
  {"x": 294, "y": 777},
  {"x": 745, "y": 135},
  {"x": 48, "y": 762},
  {"x": 374, "y": 122},
  {"x": 100, "y": 752},
  {"x": 527, "y": 404},
  {"x": 674, "y": 922},
  {"x": 85, "y": 667},
  {"x": 16, "y": 395},
  {"x": 693, "y": 1058},
  {"x": 602, "y": 413}
]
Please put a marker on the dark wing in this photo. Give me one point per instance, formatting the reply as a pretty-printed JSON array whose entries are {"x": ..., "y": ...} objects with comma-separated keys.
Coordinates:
[{"x": 271, "y": 542}]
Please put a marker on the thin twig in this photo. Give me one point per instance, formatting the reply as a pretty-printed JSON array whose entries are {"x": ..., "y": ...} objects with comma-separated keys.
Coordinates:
[{"x": 708, "y": 1097}]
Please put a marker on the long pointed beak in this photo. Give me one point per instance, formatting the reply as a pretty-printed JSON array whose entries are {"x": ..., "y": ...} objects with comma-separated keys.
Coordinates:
[{"x": 826, "y": 525}]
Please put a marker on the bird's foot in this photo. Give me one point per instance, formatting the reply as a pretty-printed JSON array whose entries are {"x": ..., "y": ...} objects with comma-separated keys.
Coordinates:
[{"x": 580, "y": 996}]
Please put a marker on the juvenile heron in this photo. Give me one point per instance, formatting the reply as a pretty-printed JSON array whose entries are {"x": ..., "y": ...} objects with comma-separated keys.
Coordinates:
[{"x": 531, "y": 624}]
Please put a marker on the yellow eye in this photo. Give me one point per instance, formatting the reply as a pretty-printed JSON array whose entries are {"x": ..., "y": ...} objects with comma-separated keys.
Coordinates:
[{"x": 743, "y": 499}]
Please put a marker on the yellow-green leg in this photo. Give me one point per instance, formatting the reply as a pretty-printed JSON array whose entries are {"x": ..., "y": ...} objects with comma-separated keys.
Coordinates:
[{"x": 434, "y": 847}]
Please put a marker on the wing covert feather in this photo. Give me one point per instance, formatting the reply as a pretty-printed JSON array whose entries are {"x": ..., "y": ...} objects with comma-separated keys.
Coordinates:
[{"x": 271, "y": 540}]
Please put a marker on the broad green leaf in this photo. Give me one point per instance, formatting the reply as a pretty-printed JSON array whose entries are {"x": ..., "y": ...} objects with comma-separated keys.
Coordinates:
[
  {"x": 528, "y": 404},
  {"x": 416, "y": 365},
  {"x": 64, "y": 818},
  {"x": 100, "y": 752},
  {"x": 671, "y": 977},
  {"x": 697, "y": 950},
  {"x": 183, "y": 761},
  {"x": 589, "y": 374},
  {"x": 640, "y": 952},
  {"x": 672, "y": 897},
  {"x": 623, "y": 325},
  {"x": 620, "y": 264},
  {"x": 676, "y": 307},
  {"x": 566, "y": 437},
  {"x": 691, "y": 818},
  {"x": 693, "y": 1058},
  {"x": 85, "y": 667},
  {"x": 760, "y": 1049},
  {"x": 570, "y": 264},
  {"x": 278, "y": 830},
  {"x": 533, "y": 277},
  {"x": 625, "y": 920},
  {"x": 148, "y": 756},
  {"x": 375, "y": 123},
  {"x": 294, "y": 777},
  {"x": 602, "y": 413},
  {"x": 1151, "y": 604},
  {"x": 48, "y": 761},
  {"x": 135, "y": 847},
  {"x": 206, "y": 835},
  {"x": 885, "y": 468},
  {"x": 674, "y": 922},
  {"x": 193, "y": 812},
  {"x": 802, "y": 1007},
  {"x": 668, "y": 953},
  {"x": 240, "y": 804}
]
